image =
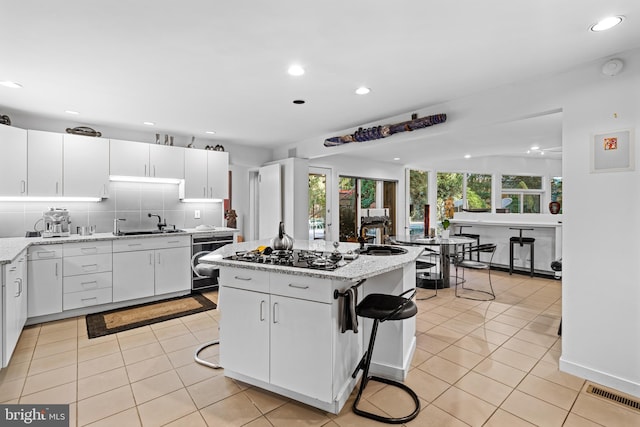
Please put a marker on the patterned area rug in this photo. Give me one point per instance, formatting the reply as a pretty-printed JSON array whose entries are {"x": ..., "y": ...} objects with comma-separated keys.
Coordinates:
[{"x": 122, "y": 319}]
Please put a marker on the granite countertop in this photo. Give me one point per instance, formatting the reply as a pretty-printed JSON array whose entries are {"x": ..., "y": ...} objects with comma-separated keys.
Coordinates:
[
  {"x": 10, "y": 247},
  {"x": 363, "y": 267},
  {"x": 506, "y": 223}
]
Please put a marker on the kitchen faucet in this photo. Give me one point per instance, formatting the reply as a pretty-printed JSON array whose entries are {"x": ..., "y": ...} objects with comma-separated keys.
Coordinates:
[
  {"x": 161, "y": 225},
  {"x": 116, "y": 229}
]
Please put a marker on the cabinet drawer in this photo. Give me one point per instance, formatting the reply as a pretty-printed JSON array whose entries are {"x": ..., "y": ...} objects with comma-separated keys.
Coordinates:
[
  {"x": 87, "y": 264},
  {"x": 86, "y": 298},
  {"x": 241, "y": 278},
  {"x": 45, "y": 252},
  {"x": 147, "y": 243},
  {"x": 87, "y": 248},
  {"x": 302, "y": 287},
  {"x": 87, "y": 282}
]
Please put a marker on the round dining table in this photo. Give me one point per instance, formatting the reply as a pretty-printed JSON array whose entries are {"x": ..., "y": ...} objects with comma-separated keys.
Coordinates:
[{"x": 446, "y": 248}]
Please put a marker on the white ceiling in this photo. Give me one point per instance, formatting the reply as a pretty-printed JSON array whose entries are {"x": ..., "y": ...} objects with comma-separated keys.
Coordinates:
[{"x": 193, "y": 66}]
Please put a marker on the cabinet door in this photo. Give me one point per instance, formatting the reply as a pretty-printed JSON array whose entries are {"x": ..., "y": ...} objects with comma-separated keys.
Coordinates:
[
  {"x": 15, "y": 306},
  {"x": 128, "y": 158},
  {"x": 218, "y": 174},
  {"x": 244, "y": 332},
  {"x": 13, "y": 161},
  {"x": 86, "y": 166},
  {"x": 195, "y": 175},
  {"x": 166, "y": 161},
  {"x": 173, "y": 272},
  {"x": 133, "y": 275},
  {"x": 301, "y": 346},
  {"x": 44, "y": 163},
  {"x": 45, "y": 287}
]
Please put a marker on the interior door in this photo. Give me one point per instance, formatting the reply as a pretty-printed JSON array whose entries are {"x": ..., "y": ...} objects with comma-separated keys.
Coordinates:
[{"x": 320, "y": 219}]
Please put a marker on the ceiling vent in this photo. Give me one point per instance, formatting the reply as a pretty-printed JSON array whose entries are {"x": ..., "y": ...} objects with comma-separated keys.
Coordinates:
[{"x": 612, "y": 67}]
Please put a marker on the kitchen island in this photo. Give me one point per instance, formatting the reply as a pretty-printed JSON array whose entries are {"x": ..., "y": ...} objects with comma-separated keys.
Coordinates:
[{"x": 281, "y": 327}]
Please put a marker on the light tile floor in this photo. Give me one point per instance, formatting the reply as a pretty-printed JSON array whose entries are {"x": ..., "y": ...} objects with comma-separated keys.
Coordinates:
[{"x": 476, "y": 363}]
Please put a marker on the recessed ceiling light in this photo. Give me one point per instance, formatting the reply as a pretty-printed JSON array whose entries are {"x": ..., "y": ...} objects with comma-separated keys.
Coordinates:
[
  {"x": 295, "y": 70},
  {"x": 396, "y": 158},
  {"x": 535, "y": 147},
  {"x": 299, "y": 101},
  {"x": 363, "y": 90},
  {"x": 148, "y": 123},
  {"x": 607, "y": 23},
  {"x": 71, "y": 112},
  {"x": 210, "y": 132},
  {"x": 467, "y": 156},
  {"x": 12, "y": 85}
]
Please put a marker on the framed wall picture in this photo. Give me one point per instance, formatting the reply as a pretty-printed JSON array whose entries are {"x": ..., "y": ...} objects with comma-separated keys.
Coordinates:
[{"x": 613, "y": 151}]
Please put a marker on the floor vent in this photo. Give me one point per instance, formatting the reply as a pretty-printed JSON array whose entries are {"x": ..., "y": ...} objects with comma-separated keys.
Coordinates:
[{"x": 630, "y": 403}]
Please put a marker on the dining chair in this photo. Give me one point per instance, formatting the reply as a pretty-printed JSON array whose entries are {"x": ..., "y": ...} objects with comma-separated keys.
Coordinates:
[{"x": 462, "y": 261}]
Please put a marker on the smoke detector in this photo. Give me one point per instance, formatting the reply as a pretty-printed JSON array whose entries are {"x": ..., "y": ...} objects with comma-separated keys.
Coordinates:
[{"x": 612, "y": 67}]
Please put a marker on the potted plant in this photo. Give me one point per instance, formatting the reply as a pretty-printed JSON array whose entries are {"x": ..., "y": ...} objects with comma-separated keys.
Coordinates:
[{"x": 445, "y": 228}]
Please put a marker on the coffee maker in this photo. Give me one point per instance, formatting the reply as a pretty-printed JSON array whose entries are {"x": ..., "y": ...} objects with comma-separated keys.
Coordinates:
[{"x": 56, "y": 222}]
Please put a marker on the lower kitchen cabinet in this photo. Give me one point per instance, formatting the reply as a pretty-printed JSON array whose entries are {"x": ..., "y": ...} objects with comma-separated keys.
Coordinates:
[
  {"x": 285, "y": 341},
  {"x": 14, "y": 305},
  {"x": 148, "y": 267},
  {"x": 45, "y": 280},
  {"x": 246, "y": 315},
  {"x": 87, "y": 274}
]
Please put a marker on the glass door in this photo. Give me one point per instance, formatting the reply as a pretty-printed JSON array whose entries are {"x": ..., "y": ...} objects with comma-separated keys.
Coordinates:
[{"x": 319, "y": 204}]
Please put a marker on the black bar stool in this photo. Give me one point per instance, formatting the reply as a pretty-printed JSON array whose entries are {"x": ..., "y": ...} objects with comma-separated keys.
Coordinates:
[
  {"x": 380, "y": 308},
  {"x": 471, "y": 236},
  {"x": 521, "y": 241}
]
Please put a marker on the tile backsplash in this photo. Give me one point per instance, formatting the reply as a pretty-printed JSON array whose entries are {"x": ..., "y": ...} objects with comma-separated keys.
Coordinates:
[{"x": 132, "y": 201}]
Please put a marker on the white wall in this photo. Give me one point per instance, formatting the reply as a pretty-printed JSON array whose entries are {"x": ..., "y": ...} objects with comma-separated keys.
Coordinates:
[{"x": 601, "y": 274}]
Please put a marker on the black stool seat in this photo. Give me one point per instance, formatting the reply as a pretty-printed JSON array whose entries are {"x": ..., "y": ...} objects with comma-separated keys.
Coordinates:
[
  {"x": 380, "y": 308},
  {"x": 386, "y": 307},
  {"x": 522, "y": 239}
]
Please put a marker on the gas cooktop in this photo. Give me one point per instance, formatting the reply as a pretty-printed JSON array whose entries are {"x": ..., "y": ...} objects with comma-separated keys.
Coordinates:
[{"x": 299, "y": 258}]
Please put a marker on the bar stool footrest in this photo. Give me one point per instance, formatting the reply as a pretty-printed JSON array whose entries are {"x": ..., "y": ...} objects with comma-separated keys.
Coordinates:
[{"x": 380, "y": 418}]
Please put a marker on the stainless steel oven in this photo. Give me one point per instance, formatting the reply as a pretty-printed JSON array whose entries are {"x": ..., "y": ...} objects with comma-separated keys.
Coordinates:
[{"x": 202, "y": 244}]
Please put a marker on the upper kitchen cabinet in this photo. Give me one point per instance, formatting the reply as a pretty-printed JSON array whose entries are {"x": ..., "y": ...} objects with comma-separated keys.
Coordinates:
[
  {"x": 44, "y": 163},
  {"x": 86, "y": 166},
  {"x": 138, "y": 159},
  {"x": 13, "y": 161},
  {"x": 206, "y": 175}
]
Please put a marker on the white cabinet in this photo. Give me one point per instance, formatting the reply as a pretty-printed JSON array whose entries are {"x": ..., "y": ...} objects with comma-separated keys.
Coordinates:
[
  {"x": 13, "y": 161},
  {"x": 137, "y": 159},
  {"x": 14, "y": 302},
  {"x": 246, "y": 315},
  {"x": 280, "y": 329},
  {"x": 292, "y": 352},
  {"x": 45, "y": 280},
  {"x": 44, "y": 163},
  {"x": 206, "y": 175},
  {"x": 150, "y": 266},
  {"x": 86, "y": 166},
  {"x": 87, "y": 274}
]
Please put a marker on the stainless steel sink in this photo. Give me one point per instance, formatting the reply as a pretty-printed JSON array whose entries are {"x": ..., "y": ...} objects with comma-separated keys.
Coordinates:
[
  {"x": 147, "y": 232},
  {"x": 382, "y": 250}
]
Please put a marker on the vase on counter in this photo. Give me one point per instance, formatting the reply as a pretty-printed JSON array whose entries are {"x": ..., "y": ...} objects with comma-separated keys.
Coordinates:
[{"x": 445, "y": 234}]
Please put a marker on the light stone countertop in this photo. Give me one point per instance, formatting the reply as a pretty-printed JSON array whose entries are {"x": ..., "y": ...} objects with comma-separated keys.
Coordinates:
[
  {"x": 363, "y": 267},
  {"x": 10, "y": 247}
]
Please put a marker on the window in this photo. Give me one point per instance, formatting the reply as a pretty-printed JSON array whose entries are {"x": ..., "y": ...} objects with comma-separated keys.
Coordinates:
[
  {"x": 317, "y": 206},
  {"x": 468, "y": 191},
  {"x": 521, "y": 194}
]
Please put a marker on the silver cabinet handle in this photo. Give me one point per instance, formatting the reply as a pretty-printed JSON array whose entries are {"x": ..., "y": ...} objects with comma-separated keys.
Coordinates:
[
  {"x": 204, "y": 191},
  {"x": 18, "y": 290},
  {"x": 275, "y": 312},
  {"x": 95, "y": 299},
  {"x": 46, "y": 254},
  {"x": 56, "y": 188},
  {"x": 90, "y": 267},
  {"x": 159, "y": 259},
  {"x": 150, "y": 260},
  {"x": 92, "y": 250},
  {"x": 93, "y": 282},
  {"x": 154, "y": 170},
  {"x": 262, "y": 311},
  {"x": 242, "y": 278},
  {"x": 56, "y": 269},
  {"x": 145, "y": 170},
  {"x": 293, "y": 285},
  {"x": 134, "y": 244},
  {"x": 23, "y": 186},
  {"x": 211, "y": 192},
  {"x": 173, "y": 241}
]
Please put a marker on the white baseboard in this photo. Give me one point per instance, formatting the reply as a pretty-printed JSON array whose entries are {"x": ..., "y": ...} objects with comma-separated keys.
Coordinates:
[{"x": 599, "y": 377}]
